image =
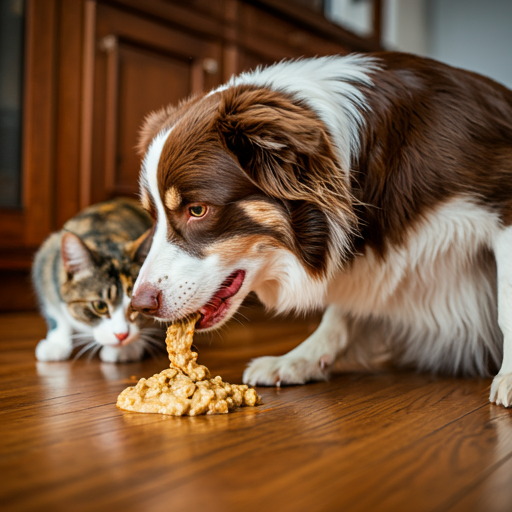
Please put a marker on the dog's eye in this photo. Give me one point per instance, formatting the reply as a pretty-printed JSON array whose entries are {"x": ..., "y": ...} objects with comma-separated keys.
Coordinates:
[
  {"x": 197, "y": 210},
  {"x": 100, "y": 307}
]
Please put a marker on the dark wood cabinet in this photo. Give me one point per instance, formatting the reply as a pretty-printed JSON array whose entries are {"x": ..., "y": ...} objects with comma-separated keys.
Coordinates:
[
  {"x": 139, "y": 66},
  {"x": 94, "y": 69}
]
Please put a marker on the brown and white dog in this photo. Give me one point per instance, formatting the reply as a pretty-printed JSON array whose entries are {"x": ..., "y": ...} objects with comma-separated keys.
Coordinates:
[{"x": 376, "y": 186}]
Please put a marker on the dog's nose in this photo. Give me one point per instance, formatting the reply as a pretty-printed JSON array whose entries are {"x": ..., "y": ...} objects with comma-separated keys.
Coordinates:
[{"x": 147, "y": 300}]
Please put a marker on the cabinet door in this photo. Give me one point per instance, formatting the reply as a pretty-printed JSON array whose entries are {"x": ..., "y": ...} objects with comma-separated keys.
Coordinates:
[
  {"x": 26, "y": 219},
  {"x": 134, "y": 66}
]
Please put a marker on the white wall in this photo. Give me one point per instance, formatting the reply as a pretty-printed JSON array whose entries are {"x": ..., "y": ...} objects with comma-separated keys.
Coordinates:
[
  {"x": 472, "y": 34},
  {"x": 354, "y": 16},
  {"x": 405, "y": 26}
]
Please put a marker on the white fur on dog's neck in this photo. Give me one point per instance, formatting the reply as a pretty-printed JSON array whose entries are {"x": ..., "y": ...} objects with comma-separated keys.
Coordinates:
[{"x": 284, "y": 285}]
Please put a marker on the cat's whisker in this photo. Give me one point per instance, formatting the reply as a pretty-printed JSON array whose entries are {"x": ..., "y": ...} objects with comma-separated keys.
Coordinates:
[
  {"x": 91, "y": 347},
  {"x": 152, "y": 330},
  {"x": 153, "y": 341},
  {"x": 150, "y": 335},
  {"x": 155, "y": 334},
  {"x": 151, "y": 351},
  {"x": 153, "y": 347},
  {"x": 93, "y": 352},
  {"x": 85, "y": 349},
  {"x": 80, "y": 335},
  {"x": 83, "y": 341},
  {"x": 156, "y": 341}
]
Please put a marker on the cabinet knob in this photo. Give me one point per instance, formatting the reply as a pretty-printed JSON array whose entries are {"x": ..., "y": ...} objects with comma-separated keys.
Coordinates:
[
  {"x": 211, "y": 66},
  {"x": 108, "y": 43}
]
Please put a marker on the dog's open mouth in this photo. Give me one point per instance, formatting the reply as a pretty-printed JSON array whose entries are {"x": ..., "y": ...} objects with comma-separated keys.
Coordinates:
[{"x": 218, "y": 305}]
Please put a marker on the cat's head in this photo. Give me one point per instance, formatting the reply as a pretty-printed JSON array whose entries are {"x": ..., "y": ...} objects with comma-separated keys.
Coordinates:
[{"x": 97, "y": 288}]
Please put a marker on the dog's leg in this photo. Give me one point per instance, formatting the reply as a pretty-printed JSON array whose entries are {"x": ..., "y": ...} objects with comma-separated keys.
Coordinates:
[
  {"x": 309, "y": 361},
  {"x": 501, "y": 389}
]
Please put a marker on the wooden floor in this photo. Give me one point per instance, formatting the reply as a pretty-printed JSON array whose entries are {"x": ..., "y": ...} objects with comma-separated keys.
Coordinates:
[{"x": 397, "y": 442}]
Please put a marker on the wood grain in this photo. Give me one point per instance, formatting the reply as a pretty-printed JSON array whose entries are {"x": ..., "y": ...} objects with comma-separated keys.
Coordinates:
[{"x": 390, "y": 441}]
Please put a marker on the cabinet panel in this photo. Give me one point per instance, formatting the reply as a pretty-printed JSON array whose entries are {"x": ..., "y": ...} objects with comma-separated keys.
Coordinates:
[
  {"x": 146, "y": 81},
  {"x": 139, "y": 66},
  {"x": 27, "y": 226},
  {"x": 274, "y": 38}
]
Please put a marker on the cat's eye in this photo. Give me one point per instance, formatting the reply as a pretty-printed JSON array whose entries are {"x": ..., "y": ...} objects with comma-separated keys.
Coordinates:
[
  {"x": 197, "y": 210},
  {"x": 100, "y": 307}
]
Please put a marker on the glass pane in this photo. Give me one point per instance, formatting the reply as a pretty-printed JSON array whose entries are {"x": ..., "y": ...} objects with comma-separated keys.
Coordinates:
[
  {"x": 11, "y": 76},
  {"x": 353, "y": 15}
]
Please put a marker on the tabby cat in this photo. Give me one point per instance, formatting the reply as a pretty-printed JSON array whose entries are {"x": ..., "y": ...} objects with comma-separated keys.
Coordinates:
[{"x": 84, "y": 275}]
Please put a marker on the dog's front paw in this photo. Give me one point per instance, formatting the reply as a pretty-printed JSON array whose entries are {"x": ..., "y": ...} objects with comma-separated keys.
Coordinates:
[
  {"x": 132, "y": 352},
  {"x": 50, "y": 350},
  {"x": 501, "y": 390},
  {"x": 282, "y": 370}
]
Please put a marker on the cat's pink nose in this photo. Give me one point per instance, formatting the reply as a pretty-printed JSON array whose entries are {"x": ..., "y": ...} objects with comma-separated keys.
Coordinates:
[
  {"x": 147, "y": 300},
  {"x": 122, "y": 336}
]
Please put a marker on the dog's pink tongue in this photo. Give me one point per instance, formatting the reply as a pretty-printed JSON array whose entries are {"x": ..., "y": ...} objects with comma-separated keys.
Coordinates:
[
  {"x": 231, "y": 285},
  {"x": 209, "y": 310},
  {"x": 216, "y": 304}
]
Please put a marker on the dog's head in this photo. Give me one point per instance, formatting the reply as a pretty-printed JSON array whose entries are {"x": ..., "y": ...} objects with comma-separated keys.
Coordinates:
[{"x": 247, "y": 195}]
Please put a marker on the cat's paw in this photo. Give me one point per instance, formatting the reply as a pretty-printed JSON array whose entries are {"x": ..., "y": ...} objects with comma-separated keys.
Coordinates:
[
  {"x": 501, "y": 390},
  {"x": 277, "y": 371},
  {"x": 50, "y": 350},
  {"x": 132, "y": 352}
]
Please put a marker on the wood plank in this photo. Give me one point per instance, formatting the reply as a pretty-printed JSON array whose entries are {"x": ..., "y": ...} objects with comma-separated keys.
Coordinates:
[
  {"x": 494, "y": 492},
  {"x": 39, "y": 104},
  {"x": 391, "y": 441},
  {"x": 67, "y": 160}
]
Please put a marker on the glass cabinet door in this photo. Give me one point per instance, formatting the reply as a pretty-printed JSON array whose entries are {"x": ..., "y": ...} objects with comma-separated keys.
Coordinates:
[{"x": 11, "y": 94}]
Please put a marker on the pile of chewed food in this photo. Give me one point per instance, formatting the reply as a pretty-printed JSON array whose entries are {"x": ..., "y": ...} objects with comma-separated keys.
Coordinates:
[{"x": 185, "y": 389}]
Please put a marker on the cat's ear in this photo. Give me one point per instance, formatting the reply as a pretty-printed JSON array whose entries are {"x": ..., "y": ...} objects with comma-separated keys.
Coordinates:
[
  {"x": 139, "y": 249},
  {"x": 76, "y": 256}
]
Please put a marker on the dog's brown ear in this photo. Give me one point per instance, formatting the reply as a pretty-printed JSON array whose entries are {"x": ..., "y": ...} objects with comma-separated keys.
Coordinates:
[
  {"x": 285, "y": 150},
  {"x": 153, "y": 123},
  {"x": 160, "y": 120}
]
